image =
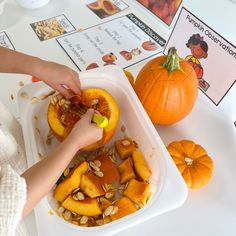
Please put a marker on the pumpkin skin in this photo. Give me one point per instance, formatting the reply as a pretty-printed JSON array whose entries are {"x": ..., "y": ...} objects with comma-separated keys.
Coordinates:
[
  {"x": 107, "y": 106},
  {"x": 167, "y": 87},
  {"x": 193, "y": 162}
]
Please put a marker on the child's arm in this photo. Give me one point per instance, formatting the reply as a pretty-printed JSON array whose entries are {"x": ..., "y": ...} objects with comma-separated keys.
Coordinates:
[
  {"x": 41, "y": 177},
  {"x": 55, "y": 75}
]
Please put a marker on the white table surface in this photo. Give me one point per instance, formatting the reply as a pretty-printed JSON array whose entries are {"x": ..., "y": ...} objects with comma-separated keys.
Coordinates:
[{"x": 208, "y": 211}]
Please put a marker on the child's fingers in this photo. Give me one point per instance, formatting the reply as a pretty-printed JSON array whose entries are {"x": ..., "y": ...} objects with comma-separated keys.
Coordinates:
[
  {"x": 89, "y": 115},
  {"x": 61, "y": 89}
]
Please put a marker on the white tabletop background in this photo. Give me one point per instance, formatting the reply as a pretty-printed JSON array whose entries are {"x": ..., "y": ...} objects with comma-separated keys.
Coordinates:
[{"x": 208, "y": 211}]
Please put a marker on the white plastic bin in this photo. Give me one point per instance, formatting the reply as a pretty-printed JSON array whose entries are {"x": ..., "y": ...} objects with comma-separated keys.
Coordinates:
[{"x": 168, "y": 188}]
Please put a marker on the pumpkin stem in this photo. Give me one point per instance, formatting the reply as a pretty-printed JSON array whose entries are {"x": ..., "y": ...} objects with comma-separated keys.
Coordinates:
[
  {"x": 172, "y": 61},
  {"x": 188, "y": 161}
]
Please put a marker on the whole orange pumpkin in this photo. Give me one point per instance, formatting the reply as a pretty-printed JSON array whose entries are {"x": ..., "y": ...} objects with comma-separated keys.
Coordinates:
[
  {"x": 193, "y": 162},
  {"x": 167, "y": 87}
]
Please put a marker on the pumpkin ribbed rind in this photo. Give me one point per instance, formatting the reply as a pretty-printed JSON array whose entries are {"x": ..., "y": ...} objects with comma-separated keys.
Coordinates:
[{"x": 167, "y": 96}]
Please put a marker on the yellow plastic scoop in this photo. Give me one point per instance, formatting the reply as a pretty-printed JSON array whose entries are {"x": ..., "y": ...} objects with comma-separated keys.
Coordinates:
[{"x": 100, "y": 120}]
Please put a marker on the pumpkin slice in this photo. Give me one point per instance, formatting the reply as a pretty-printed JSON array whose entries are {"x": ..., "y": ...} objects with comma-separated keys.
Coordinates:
[
  {"x": 62, "y": 114},
  {"x": 95, "y": 5},
  {"x": 109, "y": 170},
  {"x": 126, "y": 171},
  {"x": 86, "y": 207},
  {"x": 138, "y": 192},
  {"x": 125, "y": 207},
  {"x": 71, "y": 182},
  {"x": 91, "y": 185},
  {"x": 108, "y": 7},
  {"x": 125, "y": 147},
  {"x": 140, "y": 165}
]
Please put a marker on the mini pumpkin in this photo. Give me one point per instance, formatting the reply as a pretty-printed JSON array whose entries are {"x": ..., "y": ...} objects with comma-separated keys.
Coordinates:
[
  {"x": 63, "y": 114},
  {"x": 193, "y": 162},
  {"x": 167, "y": 87}
]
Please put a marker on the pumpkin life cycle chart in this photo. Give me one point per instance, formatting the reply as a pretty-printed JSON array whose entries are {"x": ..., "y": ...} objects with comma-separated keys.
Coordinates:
[
  {"x": 124, "y": 41},
  {"x": 211, "y": 56}
]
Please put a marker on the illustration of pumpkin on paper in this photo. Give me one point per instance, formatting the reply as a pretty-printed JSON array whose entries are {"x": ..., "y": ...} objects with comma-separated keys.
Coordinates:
[
  {"x": 199, "y": 50},
  {"x": 149, "y": 45},
  {"x": 109, "y": 59},
  {"x": 128, "y": 55}
]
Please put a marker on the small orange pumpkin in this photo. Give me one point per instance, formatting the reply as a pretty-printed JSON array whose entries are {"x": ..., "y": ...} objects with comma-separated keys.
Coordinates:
[
  {"x": 96, "y": 98},
  {"x": 193, "y": 162},
  {"x": 167, "y": 87}
]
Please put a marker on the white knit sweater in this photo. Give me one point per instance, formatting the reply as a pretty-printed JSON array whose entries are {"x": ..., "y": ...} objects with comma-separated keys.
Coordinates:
[{"x": 12, "y": 186}]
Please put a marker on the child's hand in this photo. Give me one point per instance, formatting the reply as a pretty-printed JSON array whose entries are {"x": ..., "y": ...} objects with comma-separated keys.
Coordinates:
[
  {"x": 84, "y": 132},
  {"x": 59, "y": 77}
]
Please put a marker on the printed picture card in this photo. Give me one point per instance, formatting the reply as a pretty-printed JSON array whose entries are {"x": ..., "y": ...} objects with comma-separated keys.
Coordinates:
[
  {"x": 5, "y": 41},
  {"x": 165, "y": 10},
  {"x": 212, "y": 56},
  {"x": 106, "y": 8},
  {"x": 124, "y": 41},
  {"x": 53, "y": 27}
]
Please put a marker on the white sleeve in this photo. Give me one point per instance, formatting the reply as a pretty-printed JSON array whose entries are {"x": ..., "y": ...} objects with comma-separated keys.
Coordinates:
[{"x": 12, "y": 200}]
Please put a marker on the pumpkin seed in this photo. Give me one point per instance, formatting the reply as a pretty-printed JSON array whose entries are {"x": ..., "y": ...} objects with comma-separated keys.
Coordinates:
[
  {"x": 66, "y": 172},
  {"x": 61, "y": 210},
  {"x": 100, "y": 222},
  {"x": 24, "y": 95},
  {"x": 108, "y": 210},
  {"x": 21, "y": 83},
  {"x": 95, "y": 167},
  {"x": 94, "y": 102},
  {"x": 74, "y": 222},
  {"x": 67, "y": 215},
  {"x": 83, "y": 220},
  {"x": 109, "y": 195},
  {"x": 34, "y": 100},
  {"x": 12, "y": 97},
  {"x": 99, "y": 174},
  {"x": 40, "y": 155},
  {"x": 80, "y": 196},
  {"x": 97, "y": 163},
  {"x": 115, "y": 210},
  {"x": 125, "y": 142},
  {"x": 38, "y": 130},
  {"x": 61, "y": 102},
  {"x": 123, "y": 129}
]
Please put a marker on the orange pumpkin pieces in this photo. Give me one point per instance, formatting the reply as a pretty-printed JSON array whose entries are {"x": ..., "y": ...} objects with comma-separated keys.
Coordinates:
[
  {"x": 71, "y": 182},
  {"x": 193, "y": 162},
  {"x": 125, "y": 207},
  {"x": 125, "y": 147},
  {"x": 63, "y": 114},
  {"x": 167, "y": 87},
  {"x": 109, "y": 170}
]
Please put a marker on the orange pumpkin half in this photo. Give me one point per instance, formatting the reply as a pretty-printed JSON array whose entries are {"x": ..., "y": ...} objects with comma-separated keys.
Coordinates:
[
  {"x": 193, "y": 162},
  {"x": 167, "y": 87},
  {"x": 63, "y": 114}
]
